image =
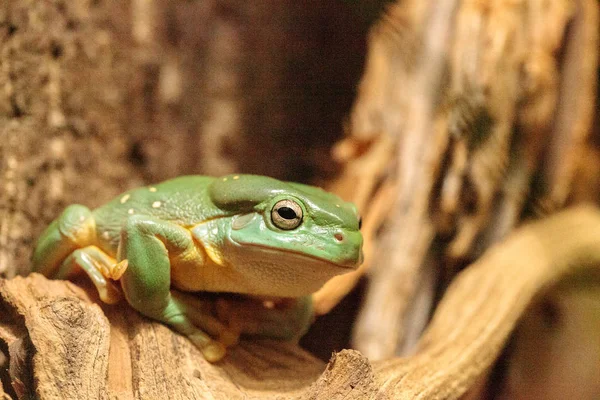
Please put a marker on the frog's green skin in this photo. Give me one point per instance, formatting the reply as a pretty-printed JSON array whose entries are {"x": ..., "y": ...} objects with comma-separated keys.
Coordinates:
[{"x": 197, "y": 233}]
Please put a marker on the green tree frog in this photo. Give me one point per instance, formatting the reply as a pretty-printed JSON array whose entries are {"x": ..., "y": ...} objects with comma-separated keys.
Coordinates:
[{"x": 243, "y": 234}]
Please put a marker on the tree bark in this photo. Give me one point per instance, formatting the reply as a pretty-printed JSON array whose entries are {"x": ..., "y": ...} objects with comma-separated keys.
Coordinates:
[
  {"x": 490, "y": 106},
  {"x": 62, "y": 343},
  {"x": 98, "y": 96}
]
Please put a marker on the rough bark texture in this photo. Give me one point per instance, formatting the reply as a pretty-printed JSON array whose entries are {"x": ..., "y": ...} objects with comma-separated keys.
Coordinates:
[
  {"x": 63, "y": 106},
  {"x": 490, "y": 105},
  {"x": 63, "y": 344},
  {"x": 98, "y": 96}
]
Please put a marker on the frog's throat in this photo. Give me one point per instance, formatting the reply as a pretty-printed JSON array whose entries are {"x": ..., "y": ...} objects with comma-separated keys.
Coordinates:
[{"x": 299, "y": 254}]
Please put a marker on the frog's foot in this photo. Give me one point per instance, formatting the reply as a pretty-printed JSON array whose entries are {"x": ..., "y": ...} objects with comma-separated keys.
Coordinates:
[
  {"x": 188, "y": 316},
  {"x": 200, "y": 313},
  {"x": 95, "y": 263},
  {"x": 284, "y": 319},
  {"x": 117, "y": 270}
]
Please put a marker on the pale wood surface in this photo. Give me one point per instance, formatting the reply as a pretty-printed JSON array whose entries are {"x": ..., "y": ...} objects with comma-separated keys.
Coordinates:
[{"x": 63, "y": 344}]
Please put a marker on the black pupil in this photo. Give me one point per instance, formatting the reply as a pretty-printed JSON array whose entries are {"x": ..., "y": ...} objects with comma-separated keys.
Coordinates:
[
  {"x": 359, "y": 223},
  {"x": 286, "y": 213}
]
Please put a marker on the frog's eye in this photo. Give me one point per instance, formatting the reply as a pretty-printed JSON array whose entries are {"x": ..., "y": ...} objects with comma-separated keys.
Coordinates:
[{"x": 286, "y": 214}]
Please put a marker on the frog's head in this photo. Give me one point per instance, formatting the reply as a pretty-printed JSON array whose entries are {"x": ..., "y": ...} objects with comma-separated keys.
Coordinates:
[{"x": 288, "y": 232}]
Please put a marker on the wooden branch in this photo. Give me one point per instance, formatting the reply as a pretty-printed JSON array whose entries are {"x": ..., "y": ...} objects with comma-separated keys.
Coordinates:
[
  {"x": 63, "y": 344},
  {"x": 82, "y": 349},
  {"x": 422, "y": 143},
  {"x": 485, "y": 302}
]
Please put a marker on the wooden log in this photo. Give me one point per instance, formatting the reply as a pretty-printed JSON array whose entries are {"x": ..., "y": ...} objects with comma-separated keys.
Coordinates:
[
  {"x": 62, "y": 343},
  {"x": 81, "y": 349}
]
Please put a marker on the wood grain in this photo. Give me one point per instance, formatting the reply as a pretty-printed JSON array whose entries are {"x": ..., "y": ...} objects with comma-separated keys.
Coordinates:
[{"x": 63, "y": 344}]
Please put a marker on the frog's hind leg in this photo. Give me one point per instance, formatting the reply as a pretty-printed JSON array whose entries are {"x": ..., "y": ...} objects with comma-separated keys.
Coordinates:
[
  {"x": 98, "y": 266},
  {"x": 74, "y": 229}
]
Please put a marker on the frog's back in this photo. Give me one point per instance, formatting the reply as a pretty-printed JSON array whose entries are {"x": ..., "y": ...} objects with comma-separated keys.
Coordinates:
[{"x": 183, "y": 200}]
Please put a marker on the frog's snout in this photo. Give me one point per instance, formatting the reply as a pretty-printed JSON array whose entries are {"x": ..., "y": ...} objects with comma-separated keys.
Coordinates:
[
  {"x": 353, "y": 261},
  {"x": 360, "y": 258},
  {"x": 351, "y": 248},
  {"x": 339, "y": 236}
]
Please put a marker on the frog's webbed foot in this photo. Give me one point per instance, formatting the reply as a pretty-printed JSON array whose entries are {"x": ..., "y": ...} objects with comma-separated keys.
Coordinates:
[
  {"x": 149, "y": 244},
  {"x": 179, "y": 315},
  {"x": 97, "y": 265},
  {"x": 201, "y": 313},
  {"x": 284, "y": 319}
]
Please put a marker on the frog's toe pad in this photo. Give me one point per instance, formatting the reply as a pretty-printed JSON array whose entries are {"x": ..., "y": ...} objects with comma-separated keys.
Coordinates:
[
  {"x": 213, "y": 352},
  {"x": 118, "y": 269},
  {"x": 109, "y": 293}
]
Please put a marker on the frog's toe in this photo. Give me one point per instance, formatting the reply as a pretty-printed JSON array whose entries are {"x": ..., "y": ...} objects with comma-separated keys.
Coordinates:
[
  {"x": 212, "y": 350},
  {"x": 109, "y": 293},
  {"x": 117, "y": 270},
  {"x": 198, "y": 312}
]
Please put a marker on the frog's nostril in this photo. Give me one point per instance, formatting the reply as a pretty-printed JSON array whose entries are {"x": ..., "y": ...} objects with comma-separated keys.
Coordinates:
[{"x": 339, "y": 237}]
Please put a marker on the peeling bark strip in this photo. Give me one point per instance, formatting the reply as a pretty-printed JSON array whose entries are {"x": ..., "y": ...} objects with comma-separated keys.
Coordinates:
[
  {"x": 491, "y": 109},
  {"x": 68, "y": 335},
  {"x": 347, "y": 376}
]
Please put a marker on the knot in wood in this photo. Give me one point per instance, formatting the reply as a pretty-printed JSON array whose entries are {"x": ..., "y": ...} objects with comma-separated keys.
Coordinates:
[{"x": 67, "y": 311}]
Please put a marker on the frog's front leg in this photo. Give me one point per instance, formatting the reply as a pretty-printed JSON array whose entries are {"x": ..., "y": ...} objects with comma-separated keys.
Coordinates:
[{"x": 149, "y": 245}]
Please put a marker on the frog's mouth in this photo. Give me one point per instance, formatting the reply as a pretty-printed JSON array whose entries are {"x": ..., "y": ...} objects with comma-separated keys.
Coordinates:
[{"x": 348, "y": 264}]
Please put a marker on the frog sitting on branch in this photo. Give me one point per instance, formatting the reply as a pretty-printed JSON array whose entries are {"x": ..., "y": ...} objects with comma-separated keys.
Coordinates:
[{"x": 243, "y": 234}]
